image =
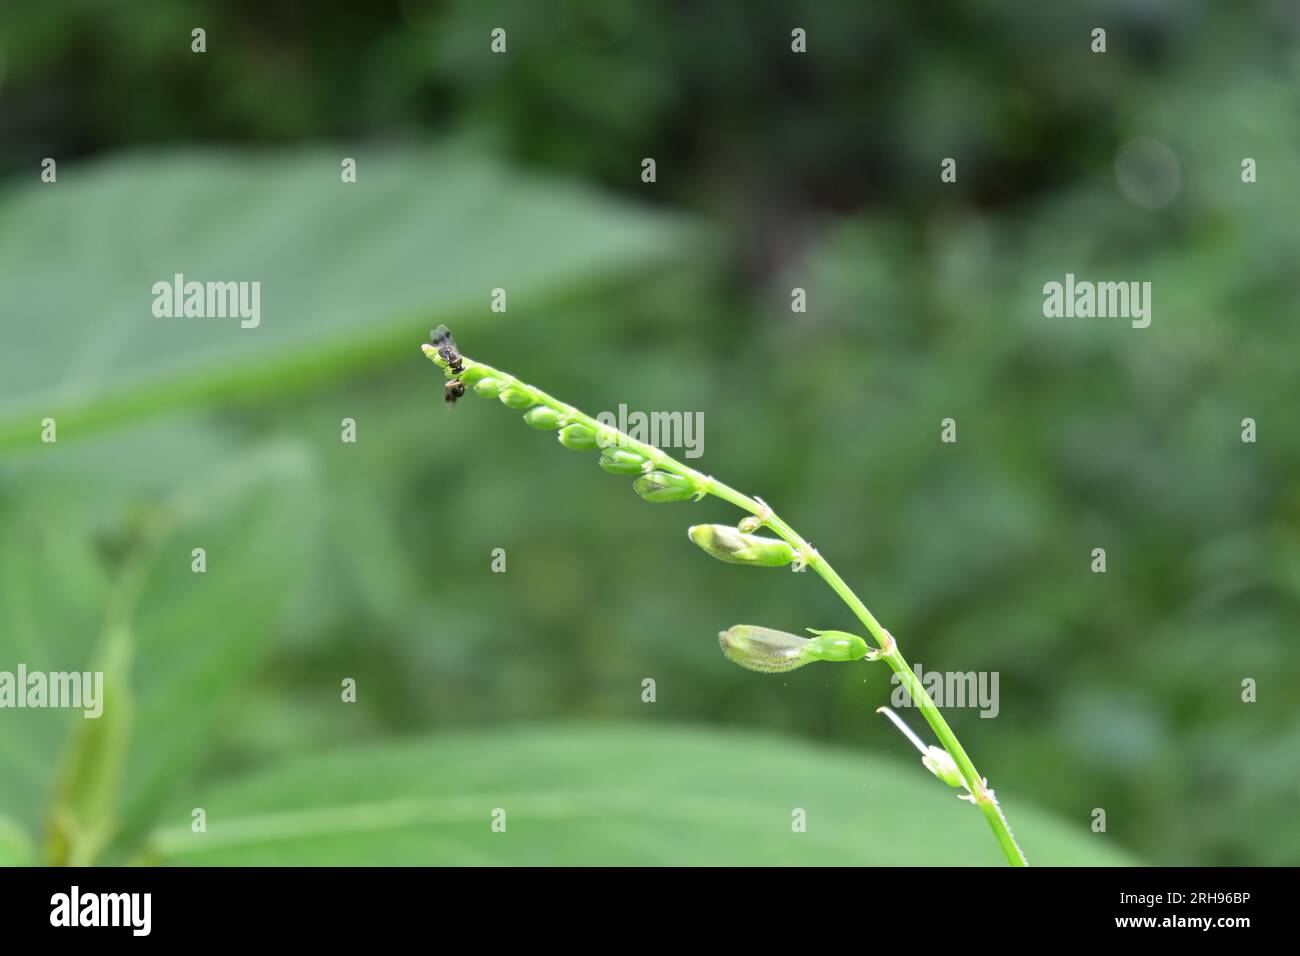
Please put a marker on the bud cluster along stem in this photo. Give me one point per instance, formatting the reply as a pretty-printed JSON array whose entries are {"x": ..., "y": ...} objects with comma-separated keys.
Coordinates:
[{"x": 661, "y": 478}]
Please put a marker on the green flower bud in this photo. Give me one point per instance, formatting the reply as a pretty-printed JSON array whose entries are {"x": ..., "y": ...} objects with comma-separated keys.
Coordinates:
[
  {"x": 763, "y": 649},
  {"x": 473, "y": 375},
  {"x": 750, "y": 524},
  {"x": 543, "y": 418},
  {"x": 516, "y": 398},
  {"x": 727, "y": 544},
  {"x": 837, "y": 646},
  {"x": 940, "y": 763},
  {"x": 659, "y": 486},
  {"x": 579, "y": 437},
  {"x": 775, "y": 652},
  {"x": 618, "y": 461},
  {"x": 489, "y": 387}
]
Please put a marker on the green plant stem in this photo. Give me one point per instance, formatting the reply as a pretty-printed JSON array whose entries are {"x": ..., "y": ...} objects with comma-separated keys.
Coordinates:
[{"x": 979, "y": 791}]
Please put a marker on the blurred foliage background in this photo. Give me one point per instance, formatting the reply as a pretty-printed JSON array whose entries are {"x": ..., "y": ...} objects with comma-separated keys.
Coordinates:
[{"x": 1119, "y": 691}]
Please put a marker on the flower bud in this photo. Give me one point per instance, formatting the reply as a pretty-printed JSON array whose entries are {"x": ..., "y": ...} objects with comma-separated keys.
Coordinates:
[
  {"x": 727, "y": 544},
  {"x": 763, "y": 649},
  {"x": 472, "y": 375},
  {"x": 750, "y": 524},
  {"x": 579, "y": 437},
  {"x": 659, "y": 486},
  {"x": 489, "y": 387},
  {"x": 775, "y": 652},
  {"x": 543, "y": 418},
  {"x": 516, "y": 398},
  {"x": 940, "y": 763},
  {"x": 837, "y": 646},
  {"x": 619, "y": 461}
]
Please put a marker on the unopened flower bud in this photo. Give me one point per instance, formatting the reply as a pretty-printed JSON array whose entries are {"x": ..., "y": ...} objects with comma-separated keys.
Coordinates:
[
  {"x": 489, "y": 387},
  {"x": 750, "y": 524},
  {"x": 577, "y": 436},
  {"x": 660, "y": 486},
  {"x": 543, "y": 418},
  {"x": 940, "y": 763},
  {"x": 516, "y": 398},
  {"x": 763, "y": 649},
  {"x": 619, "y": 461},
  {"x": 473, "y": 375},
  {"x": 837, "y": 646},
  {"x": 727, "y": 544}
]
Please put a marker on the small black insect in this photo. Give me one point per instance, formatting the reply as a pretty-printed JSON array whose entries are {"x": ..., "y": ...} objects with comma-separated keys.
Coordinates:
[
  {"x": 455, "y": 389},
  {"x": 446, "y": 346}
]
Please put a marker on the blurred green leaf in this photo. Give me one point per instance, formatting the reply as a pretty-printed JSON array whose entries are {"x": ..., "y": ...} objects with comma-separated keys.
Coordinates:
[
  {"x": 193, "y": 637},
  {"x": 83, "y": 811},
  {"x": 351, "y": 274},
  {"x": 613, "y": 795},
  {"x": 54, "y": 584},
  {"x": 15, "y": 848},
  {"x": 199, "y": 636}
]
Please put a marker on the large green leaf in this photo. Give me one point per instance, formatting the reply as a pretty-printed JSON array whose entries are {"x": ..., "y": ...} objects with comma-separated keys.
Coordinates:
[
  {"x": 351, "y": 274},
  {"x": 606, "y": 795},
  {"x": 105, "y": 583}
]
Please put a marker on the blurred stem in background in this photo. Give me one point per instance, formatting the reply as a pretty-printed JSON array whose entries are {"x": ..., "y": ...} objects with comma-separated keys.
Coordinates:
[{"x": 655, "y": 485}]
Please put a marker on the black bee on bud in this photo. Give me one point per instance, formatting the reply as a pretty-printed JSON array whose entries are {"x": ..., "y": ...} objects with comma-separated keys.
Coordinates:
[{"x": 446, "y": 346}]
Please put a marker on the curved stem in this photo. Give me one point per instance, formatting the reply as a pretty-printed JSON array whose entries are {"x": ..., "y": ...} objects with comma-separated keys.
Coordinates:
[{"x": 979, "y": 790}]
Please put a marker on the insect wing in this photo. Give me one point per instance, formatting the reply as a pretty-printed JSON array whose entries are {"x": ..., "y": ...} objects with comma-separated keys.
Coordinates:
[{"x": 441, "y": 338}]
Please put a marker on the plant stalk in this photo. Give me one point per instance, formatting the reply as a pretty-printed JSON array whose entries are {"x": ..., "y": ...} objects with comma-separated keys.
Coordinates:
[{"x": 979, "y": 792}]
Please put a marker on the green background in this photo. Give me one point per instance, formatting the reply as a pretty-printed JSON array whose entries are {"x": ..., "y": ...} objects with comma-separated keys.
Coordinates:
[{"x": 476, "y": 690}]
